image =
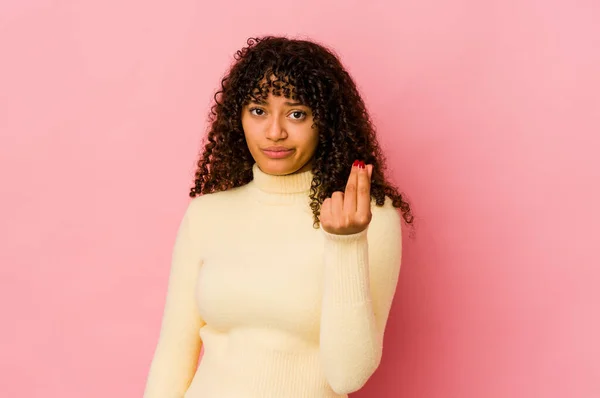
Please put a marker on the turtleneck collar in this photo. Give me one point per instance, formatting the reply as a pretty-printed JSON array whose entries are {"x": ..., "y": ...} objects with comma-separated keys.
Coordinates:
[{"x": 288, "y": 184}]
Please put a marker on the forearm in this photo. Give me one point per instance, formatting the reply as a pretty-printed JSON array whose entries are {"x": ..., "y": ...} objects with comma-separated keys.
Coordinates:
[
  {"x": 176, "y": 354},
  {"x": 174, "y": 363},
  {"x": 360, "y": 277},
  {"x": 351, "y": 343}
]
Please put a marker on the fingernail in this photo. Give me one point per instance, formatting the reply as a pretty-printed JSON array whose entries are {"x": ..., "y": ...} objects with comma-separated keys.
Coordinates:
[
  {"x": 356, "y": 162},
  {"x": 361, "y": 165}
]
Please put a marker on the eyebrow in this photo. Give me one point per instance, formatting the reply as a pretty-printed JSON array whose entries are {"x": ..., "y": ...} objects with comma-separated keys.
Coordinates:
[{"x": 261, "y": 102}]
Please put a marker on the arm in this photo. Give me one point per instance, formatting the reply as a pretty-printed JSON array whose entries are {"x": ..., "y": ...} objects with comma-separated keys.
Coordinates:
[
  {"x": 176, "y": 354},
  {"x": 361, "y": 273}
]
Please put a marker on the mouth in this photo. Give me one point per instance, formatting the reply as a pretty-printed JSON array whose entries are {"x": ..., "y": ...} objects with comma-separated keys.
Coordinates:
[
  {"x": 277, "y": 152},
  {"x": 277, "y": 149}
]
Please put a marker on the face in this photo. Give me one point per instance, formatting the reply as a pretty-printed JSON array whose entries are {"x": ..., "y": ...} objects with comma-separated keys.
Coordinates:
[{"x": 280, "y": 135}]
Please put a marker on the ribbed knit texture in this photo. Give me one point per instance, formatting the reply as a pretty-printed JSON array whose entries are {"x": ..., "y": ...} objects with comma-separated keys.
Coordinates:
[{"x": 283, "y": 310}]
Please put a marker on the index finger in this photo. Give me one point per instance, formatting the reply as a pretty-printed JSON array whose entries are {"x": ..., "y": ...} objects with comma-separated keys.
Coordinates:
[{"x": 363, "y": 204}]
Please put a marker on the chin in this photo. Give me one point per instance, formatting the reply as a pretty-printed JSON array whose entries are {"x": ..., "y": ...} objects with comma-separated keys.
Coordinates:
[{"x": 279, "y": 167}]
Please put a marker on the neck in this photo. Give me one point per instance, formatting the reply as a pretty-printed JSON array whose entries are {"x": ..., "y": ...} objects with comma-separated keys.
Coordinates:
[{"x": 281, "y": 188}]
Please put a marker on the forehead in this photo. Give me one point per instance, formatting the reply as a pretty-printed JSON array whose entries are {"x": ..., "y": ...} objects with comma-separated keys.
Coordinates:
[
  {"x": 274, "y": 88},
  {"x": 276, "y": 100}
]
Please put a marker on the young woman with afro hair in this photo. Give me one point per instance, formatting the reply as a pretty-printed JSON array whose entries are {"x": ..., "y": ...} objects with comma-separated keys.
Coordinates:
[{"x": 286, "y": 260}]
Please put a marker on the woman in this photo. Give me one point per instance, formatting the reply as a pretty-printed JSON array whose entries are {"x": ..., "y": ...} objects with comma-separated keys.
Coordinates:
[{"x": 286, "y": 260}]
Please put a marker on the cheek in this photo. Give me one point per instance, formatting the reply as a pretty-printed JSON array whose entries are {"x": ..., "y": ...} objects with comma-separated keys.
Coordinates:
[
  {"x": 310, "y": 144},
  {"x": 249, "y": 132}
]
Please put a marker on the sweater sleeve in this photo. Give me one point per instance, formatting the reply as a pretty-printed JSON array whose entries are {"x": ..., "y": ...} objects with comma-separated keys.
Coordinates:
[
  {"x": 361, "y": 273},
  {"x": 176, "y": 353}
]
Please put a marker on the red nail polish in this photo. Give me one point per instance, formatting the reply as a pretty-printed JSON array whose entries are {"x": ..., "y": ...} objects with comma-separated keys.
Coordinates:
[
  {"x": 356, "y": 162},
  {"x": 361, "y": 165}
]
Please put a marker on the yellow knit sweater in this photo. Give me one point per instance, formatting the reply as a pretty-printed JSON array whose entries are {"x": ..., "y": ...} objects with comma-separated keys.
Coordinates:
[{"x": 283, "y": 310}]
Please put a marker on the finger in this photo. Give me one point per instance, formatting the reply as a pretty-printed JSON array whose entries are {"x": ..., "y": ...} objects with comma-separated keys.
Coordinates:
[
  {"x": 325, "y": 214},
  {"x": 370, "y": 170},
  {"x": 350, "y": 194},
  {"x": 363, "y": 199},
  {"x": 337, "y": 206}
]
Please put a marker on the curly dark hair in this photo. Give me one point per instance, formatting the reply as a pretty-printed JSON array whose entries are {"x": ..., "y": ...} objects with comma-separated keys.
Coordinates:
[{"x": 311, "y": 74}]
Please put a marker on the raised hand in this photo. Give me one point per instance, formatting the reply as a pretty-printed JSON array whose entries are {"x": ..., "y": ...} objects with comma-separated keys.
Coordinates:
[{"x": 349, "y": 212}]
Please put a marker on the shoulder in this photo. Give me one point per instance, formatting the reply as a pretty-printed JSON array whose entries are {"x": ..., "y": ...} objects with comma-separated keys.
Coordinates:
[
  {"x": 213, "y": 201},
  {"x": 205, "y": 213},
  {"x": 386, "y": 221},
  {"x": 386, "y": 213}
]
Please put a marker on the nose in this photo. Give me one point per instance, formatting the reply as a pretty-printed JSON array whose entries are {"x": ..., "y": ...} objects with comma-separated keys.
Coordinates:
[{"x": 276, "y": 130}]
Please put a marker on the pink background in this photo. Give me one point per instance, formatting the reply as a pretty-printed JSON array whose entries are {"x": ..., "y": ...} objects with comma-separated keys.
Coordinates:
[{"x": 489, "y": 112}]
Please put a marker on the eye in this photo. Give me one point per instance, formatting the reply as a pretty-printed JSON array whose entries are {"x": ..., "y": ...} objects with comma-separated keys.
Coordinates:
[
  {"x": 298, "y": 115},
  {"x": 257, "y": 111}
]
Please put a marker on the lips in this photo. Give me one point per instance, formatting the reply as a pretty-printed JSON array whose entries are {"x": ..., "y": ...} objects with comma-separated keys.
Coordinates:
[
  {"x": 277, "y": 149},
  {"x": 277, "y": 152}
]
